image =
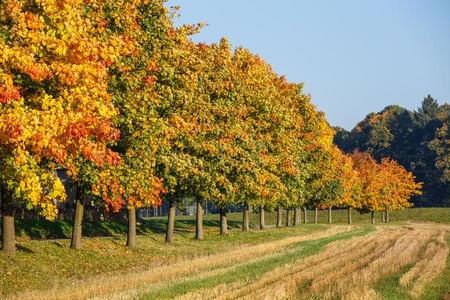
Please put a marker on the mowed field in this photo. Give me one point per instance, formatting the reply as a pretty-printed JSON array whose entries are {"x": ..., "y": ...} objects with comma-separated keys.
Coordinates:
[{"x": 406, "y": 259}]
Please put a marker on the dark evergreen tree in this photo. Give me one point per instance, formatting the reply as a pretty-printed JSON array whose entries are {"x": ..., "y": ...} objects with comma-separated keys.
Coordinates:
[{"x": 427, "y": 112}]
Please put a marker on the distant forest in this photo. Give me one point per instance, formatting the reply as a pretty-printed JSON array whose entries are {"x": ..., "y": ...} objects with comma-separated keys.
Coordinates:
[{"x": 419, "y": 140}]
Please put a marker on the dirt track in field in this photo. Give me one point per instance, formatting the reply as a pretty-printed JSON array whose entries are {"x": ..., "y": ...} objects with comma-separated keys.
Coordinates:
[{"x": 346, "y": 269}]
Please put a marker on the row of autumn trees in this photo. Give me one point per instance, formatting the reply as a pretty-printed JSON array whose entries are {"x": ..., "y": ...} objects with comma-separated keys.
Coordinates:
[{"x": 136, "y": 114}]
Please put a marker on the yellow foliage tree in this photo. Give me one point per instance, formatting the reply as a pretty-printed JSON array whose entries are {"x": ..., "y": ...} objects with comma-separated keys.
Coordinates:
[{"x": 54, "y": 105}]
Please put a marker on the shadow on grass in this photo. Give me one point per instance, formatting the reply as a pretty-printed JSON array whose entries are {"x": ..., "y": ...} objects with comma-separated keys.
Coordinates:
[
  {"x": 24, "y": 249},
  {"x": 183, "y": 226},
  {"x": 39, "y": 229},
  {"x": 43, "y": 229},
  {"x": 58, "y": 244}
]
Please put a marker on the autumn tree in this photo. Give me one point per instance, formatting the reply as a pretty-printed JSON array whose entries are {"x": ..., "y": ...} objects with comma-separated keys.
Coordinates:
[
  {"x": 351, "y": 185},
  {"x": 371, "y": 182},
  {"x": 137, "y": 87},
  {"x": 385, "y": 186},
  {"x": 336, "y": 181},
  {"x": 54, "y": 105},
  {"x": 156, "y": 92},
  {"x": 328, "y": 184},
  {"x": 221, "y": 135},
  {"x": 319, "y": 162},
  {"x": 399, "y": 186},
  {"x": 178, "y": 113},
  {"x": 274, "y": 125},
  {"x": 237, "y": 130},
  {"x": 130, "y": 181}
]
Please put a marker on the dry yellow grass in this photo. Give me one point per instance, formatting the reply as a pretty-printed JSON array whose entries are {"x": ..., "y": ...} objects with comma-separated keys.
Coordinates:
[{"x": 365, "y": 293}]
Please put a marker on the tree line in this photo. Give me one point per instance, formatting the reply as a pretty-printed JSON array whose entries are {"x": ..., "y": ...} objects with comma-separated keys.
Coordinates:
[
  {"x": 136, "y": 113},
  {"x": 419, "y": 140}
]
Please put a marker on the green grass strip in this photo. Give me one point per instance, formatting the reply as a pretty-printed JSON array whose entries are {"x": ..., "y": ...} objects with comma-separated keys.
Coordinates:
[
  {"x": 256, "y": 269},
  {"x": 439, "y": 288},
  {"x": 389, "y": 288}
]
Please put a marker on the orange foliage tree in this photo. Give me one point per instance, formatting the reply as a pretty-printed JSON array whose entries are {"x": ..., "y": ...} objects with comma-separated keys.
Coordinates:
[
  {"x": 399, "y": 186},
  {"x": 351, "y": 185},
  {"x": 385, "y": 185},
  {"x": 136, "y": 94},
  {"x": 54, "y": 105}
]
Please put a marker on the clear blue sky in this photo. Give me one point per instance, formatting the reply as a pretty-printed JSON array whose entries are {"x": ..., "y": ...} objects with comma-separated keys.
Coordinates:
[{"x": 354, "y": 56}]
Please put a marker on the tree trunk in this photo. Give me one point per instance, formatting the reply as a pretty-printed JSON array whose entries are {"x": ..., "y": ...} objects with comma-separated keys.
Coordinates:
[
  {"x": 279, "y": 217},
  {"x": 199, "y": 221},
  {"x": 297, "y": 214},
  {"x": 8, "y": 230},
  {"x": 89, "y": 213},
  {"x": 170, "y": 221},
  {"x": 305, "y": 216},
  {"x": 61, "y": 214},
  {"x": 77, "y": 224},
  {"x": 107, "y": 215},
  {"x": 131, "y": 239},
  {"x": 373, "y": 217},
  {"x": 330, "y": 209},
  {"x": 349, "y": 215},
  {"x": 387, "y": 216},
  {"x": 223, "y": 221},
  {"x": 383, "y": 216},
  {"x": 262, "y": 222},
  {"x": 288, "y": 217},
  {"x": 245, "y": 219},
  {"x": 316, "y": 215}
]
